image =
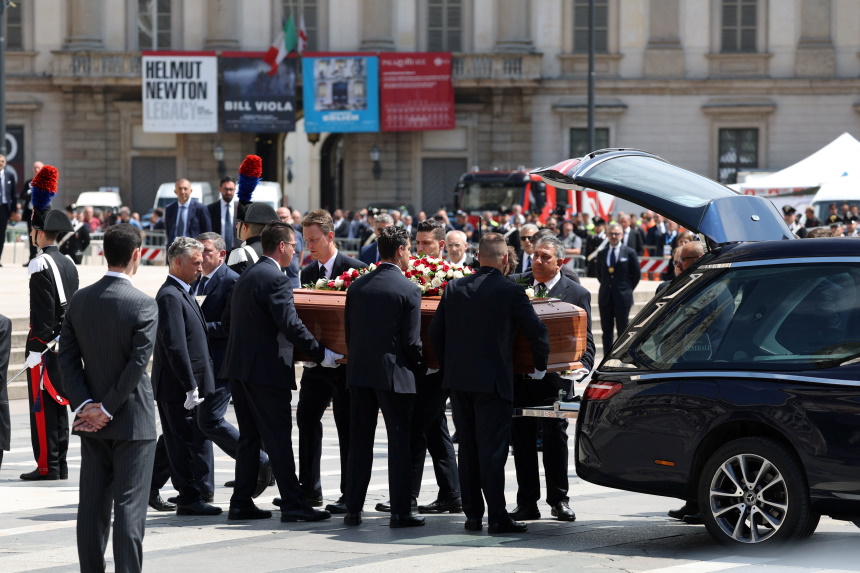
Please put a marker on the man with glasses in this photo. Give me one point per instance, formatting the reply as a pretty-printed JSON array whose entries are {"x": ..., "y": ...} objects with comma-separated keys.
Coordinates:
[
  {"x": 684, "y": 259},
  {"x": 527, "y": 247},
  {"x": 618, "y": 274}
]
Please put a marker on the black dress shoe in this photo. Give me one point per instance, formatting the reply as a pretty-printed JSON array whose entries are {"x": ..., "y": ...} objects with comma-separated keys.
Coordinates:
[
  {"x": 385, "y": 506},
  {"x": 352, "y": 518},
  {"x": 36, "y": 476},
  {"x": 230, "y": 483},
  {"x": 248, "y": 513},
  {"x": 442, "y": 506},
  {"x": 689, "y": 508},
  {"x": 64, "y": 473},
  {"x": 171, "y": 499},
  {"x": 198, "y": 508},
  {"x": 308, "y": 514},
  {"x": 474, "y": 525},
  {"x": 562, "y": 512},
  {"x": 207, "y": 496},
  {"x": 693, "y": 519},
  {"x": 313, "y": 500},
  {"x": 525, "y": 513},
  {"x": 405, "y": 520},
  {"x": 264, "y": 475},
  {"x": 277, "y": 501},
  {"x": 338, "y": 507},
  {"x": 158, "y": 504},
  {"x": 508, "y": 527}
]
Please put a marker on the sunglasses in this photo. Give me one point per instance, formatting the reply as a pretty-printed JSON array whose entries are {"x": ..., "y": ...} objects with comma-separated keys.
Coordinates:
[{"x": 530, "y": 239}]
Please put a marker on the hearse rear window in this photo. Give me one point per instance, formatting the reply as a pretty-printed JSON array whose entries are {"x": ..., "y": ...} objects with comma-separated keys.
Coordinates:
[{"x": 795, "y": 317}]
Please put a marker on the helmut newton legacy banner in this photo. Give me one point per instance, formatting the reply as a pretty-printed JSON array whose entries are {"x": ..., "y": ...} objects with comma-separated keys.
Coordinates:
[
  {"x": 180, "y": 92},
  {"x": 254, "y": 101}
]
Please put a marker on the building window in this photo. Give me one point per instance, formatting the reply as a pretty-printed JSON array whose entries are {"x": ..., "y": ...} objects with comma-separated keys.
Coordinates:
[
  {"x": 307, "y": 10},
  {"x": 14, "y": 30},
  {"x": 444, "y": 26},
  {"x": 738, "y": 152},
  {"x": 601, "y": 26},
  {"x": 154, "y": 24},
  {"x": 579, "y": 140},
  {"x": 739, "y": 22}
]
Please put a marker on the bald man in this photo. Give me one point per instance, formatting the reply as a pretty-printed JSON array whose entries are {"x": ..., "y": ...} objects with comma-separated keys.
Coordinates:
[{"x": 684, "y": 258}]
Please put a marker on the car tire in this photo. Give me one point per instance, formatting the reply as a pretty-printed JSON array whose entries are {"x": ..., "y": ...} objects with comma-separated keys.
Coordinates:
[{"x": 769, "y": 505}]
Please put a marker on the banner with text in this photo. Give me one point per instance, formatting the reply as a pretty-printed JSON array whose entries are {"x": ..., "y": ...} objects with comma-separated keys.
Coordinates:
[
  {"x": 180, "y": 92},
  {"x": 416, "y": 91},
  {"x": 341, "y": 92},
  {"x": 252, "y": 100}
]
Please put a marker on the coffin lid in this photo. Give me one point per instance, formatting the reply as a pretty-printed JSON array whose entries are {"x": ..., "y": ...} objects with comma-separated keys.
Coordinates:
[{"x": 695, "y": 202}]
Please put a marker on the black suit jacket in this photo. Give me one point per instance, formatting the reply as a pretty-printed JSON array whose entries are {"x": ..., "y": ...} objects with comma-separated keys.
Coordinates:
[
  {"x": 617, "y": 287},
  {"x": 636, "y": 241},
  {"x": 576, "y": 294},
  {"x": 382, "y": 322},
  {"x": 341, "y": 229},
  {"x": 369, "y": 254},
  {"x": 108, "y": 335},
  {"x": 342, "y": 263},
  {"x": 181, "y": 361},
  {"x": 197, "y": 221},
  {"x": 11, "y": 184},
  {"x": 481, "y": 360},
  {"x": 217, "y": 290},
  {"x": 264, "y": 328}
]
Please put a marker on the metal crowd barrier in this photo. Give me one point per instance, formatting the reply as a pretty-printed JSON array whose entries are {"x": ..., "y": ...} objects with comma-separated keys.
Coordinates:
[{"x": 153, "y": 252}]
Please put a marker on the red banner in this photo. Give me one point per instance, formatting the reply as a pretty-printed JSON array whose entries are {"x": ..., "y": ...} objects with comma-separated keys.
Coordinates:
[{"x": 416, "y": 91}]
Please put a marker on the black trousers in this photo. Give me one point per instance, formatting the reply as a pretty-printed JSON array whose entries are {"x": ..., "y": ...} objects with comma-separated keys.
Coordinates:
[
  {"x": 190, "y": 460},
  {"x": 202, "y": 451},
  {"x": 264, "y": 414},
  {"x": 429, "y": 433},
  {"x": 210, "y": 419},
  {"x": 49, "y": 421},
  {"x": 4, "y": 220},
  {"x": 113, "y": 476},
  {"x": 524, "y": 433},
  {"x": 321, "y": 386},
  {"x": 612, "y": 316},
  {"x": 483, "y": 430},
  {"x": 365, "y": 404}
]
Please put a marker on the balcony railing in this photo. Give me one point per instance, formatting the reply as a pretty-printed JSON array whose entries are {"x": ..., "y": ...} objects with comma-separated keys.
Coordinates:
[
  {"x": 91, "y": 66},
  {"x": 512, "y": 67}
]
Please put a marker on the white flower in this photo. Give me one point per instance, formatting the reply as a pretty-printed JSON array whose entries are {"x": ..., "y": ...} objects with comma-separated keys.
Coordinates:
[
  {"x": 321, "y": 283},
  {"x": 458, "y": 274},
  {"x": 450, "y": 273},
  {"x": 338, "y": 282},
  {"x": 436, "y": 282},
  {"x": 424, "y": 288},
  {"x": 530, "y": 292},
  {"x": 421, "y": 268},
  {"x": 372, "y": 267}
]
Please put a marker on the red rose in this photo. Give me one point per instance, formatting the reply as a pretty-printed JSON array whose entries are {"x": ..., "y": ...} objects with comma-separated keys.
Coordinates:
[{"x": 330, "y": 284}]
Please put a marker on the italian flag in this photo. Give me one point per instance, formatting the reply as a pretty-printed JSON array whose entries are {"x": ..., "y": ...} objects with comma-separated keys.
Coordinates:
[{"x": 287, "y": 41}]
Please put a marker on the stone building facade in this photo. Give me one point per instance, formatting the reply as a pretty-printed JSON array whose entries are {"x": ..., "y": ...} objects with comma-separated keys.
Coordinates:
[{"x": 715, "y": 86}]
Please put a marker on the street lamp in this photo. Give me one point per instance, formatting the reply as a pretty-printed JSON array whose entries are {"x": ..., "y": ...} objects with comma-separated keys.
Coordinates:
[
  {"x": 374, "y": 157},
  {"x": 289, "y": 163},
  {"x": 218, "y": 154}
]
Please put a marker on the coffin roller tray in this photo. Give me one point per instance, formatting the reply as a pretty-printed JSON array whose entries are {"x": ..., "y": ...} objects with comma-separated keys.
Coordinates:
[{"x": 322, "y": 313}]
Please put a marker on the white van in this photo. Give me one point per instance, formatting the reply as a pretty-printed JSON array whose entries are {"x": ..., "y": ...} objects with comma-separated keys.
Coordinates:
[
  {"x": 107, "y": 200},
  {"x": 200, "y": 190},
  {"x": 269, "y": 192}
]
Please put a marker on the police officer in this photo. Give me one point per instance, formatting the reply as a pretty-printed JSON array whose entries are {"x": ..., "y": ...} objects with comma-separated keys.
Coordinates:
[
  {"x": 789, "y": 214},
  {"x": 75, "y": 244},
  {"x": 53, "y": 281}
]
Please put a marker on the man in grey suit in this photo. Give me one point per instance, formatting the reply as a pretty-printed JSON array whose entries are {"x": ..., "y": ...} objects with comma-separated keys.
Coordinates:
[{"x": 110, "y": 326}]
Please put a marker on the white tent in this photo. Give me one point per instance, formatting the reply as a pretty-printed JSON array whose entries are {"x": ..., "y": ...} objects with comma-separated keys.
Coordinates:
[{"x": 834, "y": 160}]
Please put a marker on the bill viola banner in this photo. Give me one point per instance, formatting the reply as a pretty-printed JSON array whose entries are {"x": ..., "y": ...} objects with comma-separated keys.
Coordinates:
[
  {"x": 416, "y": 91},
  {"x": 341, "y": 92},
  {"x": 180, "y": 92},
  {"x": 254, "y": 101}
]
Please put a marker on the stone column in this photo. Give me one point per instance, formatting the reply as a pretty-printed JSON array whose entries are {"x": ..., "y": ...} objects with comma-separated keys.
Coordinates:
[
  {"x": 513, "y": 30},
  {"x": 222, "y": 31},
  {"x": 664, "y": 55},
  {"x": 815, "y": 53},
  {"x": 377, "y": 25},
  {"x": 84, "y": 25}
]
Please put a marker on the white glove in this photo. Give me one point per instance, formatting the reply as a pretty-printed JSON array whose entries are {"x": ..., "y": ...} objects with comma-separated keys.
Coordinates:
[
  {"x": 330, "y": 359},
  {"x": 537, "y": 374},
  {"x": 192, "y": 399},
  {"x": 432, "y": 371},
  {"x": 33, "y": 359}
]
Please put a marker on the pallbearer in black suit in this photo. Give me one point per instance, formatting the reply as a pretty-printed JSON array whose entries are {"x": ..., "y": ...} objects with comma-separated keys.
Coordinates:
[
  {"x": 264, "y": 328},
  {"x": 213, "y": 290},
  {"x": 618, "y": 273},
  {"x": 546, "y": 279},
  {"x": 53, "y": 281},
  {"x": 222, "y": 213},
  {"x": 477, "y": 367},
  {"x": 382, "y": 322},
  {"x": 322, "y": 386},
  {"x": 108, "y": 337},
  {"x": 182, "y": 375}
]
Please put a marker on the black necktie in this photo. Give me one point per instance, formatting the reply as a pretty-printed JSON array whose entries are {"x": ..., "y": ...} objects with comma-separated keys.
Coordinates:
[
  {"x": 612, "y": 259},
  {"x": 541, "y": 290},
  {"x": 201, "y": 286},
  {"x": 323, "y": 274},
  {"x": 227, "y": 231},
  {"x": 527, "y": 264}
]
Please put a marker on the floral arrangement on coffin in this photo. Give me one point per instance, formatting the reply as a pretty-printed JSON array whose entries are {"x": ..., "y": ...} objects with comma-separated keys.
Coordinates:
[
  {"x": 432, "y": 275},
  {"x": 341, "y": 282}
]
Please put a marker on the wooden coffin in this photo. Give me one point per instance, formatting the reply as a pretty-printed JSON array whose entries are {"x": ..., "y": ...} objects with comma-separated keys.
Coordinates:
[{"x": 322, "y": 313}]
